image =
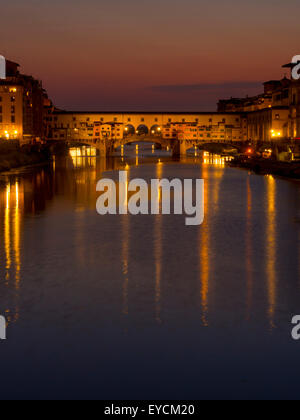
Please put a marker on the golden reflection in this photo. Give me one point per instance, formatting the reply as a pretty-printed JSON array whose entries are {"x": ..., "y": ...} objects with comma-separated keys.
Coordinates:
[
  {"x": 12, "y": 247},
  {"x": 17, "y": 238},
  {"x": 218, "y": 175},
  {"x": 7, "y": 234},
  {"x": 204, "y": 252},
  {"x": 158, "y": 252},
  {"x": 249, "y": 253},
  {"x": 212, "y": 182},
  {"x": 83, "y": 157},
  {"x": 125, "y": 252},
  {"x": 125, "y": 262},
  {"x": 271, "y": 247},
  {"x": 214, "y": 160}
]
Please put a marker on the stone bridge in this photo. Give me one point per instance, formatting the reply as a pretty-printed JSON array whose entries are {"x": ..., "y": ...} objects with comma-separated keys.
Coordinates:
[{"x": 109, "y": 146}]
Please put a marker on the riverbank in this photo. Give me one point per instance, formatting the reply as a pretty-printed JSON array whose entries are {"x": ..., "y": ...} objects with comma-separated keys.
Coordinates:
[
  {"x": 13, "y": 156},
  {"x": 269, "y": 167}
]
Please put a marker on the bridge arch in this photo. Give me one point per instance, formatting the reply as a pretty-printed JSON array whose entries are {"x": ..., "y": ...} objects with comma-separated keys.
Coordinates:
[
  {"x": 142, "y": 130},
  {"x": 129, "y": 130},
  {"x": 155, "y": 130}
]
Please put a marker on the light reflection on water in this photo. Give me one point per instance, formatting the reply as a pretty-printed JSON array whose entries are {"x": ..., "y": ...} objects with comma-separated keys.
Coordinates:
[{"x": 64, "y": 267}]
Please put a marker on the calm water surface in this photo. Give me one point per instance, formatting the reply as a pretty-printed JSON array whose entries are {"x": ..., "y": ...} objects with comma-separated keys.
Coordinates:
[{"x": 143, "y": 307}]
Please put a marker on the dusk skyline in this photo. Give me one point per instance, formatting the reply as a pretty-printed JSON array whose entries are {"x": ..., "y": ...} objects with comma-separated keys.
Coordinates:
[
  {"x": 157, "y": 56},
  {"x": 150, "y": 202}
]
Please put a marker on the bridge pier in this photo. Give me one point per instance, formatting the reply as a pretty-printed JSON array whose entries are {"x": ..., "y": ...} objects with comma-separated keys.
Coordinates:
[
  {"x": 101, "y": 147},
  {"x": 183, "y": 147}
]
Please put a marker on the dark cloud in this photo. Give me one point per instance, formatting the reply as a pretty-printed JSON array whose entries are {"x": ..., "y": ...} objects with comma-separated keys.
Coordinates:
[{"x": 208, "y": 87}]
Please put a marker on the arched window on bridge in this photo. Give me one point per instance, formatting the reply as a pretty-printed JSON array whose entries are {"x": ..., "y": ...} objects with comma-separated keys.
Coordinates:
[
  {"x": 142, "y": 130},
  {"x": 156, "y": 130},
  {"x": 129, "y": 130}
]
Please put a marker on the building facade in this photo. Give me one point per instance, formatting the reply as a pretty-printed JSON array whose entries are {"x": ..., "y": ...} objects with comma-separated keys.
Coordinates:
[
  {"x": 21, "y": 106},
  {"x": 294, "y": 116},
  {"x": 268, "y": 125},
  {"x": 271, "y": 116}
]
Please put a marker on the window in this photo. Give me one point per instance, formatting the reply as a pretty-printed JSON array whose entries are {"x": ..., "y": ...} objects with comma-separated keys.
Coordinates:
[
  {"x": 13, "y": 119},
  {"x": 13, "y": 109}
]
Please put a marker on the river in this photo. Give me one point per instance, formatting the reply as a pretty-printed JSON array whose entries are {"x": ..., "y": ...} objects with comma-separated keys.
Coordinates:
[{"x": 144, "y": 307}]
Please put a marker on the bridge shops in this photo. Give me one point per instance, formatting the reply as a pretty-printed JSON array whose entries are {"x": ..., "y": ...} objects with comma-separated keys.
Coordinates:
[{"x": 113, "y": 130}]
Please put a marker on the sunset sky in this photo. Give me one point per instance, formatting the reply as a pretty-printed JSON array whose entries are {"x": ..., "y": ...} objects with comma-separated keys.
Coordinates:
[{"x": 150, "y": 55}]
